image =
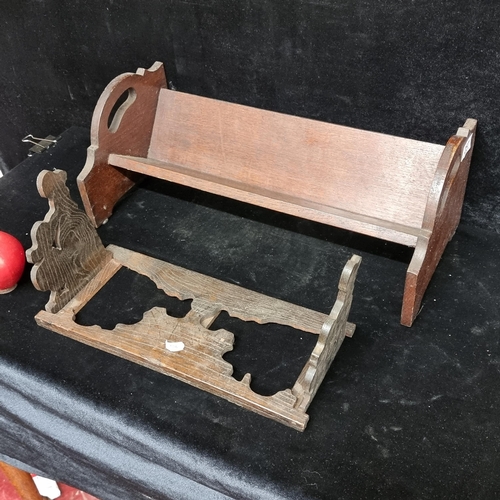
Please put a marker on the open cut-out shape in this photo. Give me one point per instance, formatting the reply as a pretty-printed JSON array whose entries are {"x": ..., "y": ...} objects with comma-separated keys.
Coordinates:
[
  {"x": 200, "y": 362},
  {"x": 117, "y": 301},
  {"x": 273, "y": 353},
  {"x": 120, "y": 107}
]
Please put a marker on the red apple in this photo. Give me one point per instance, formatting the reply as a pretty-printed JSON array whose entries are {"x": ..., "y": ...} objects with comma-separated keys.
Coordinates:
[{"x": 12, "y": 262}]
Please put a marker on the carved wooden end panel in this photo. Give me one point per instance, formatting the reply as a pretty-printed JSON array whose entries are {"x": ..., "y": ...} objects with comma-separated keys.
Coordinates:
[
  {"x": 442, "y": 215},
  {"x": 126, "y": 130},
  {"x": 70, "y": 260},
  {"x": 66, "y": 252},
  {"x": 331, "y": 336}
]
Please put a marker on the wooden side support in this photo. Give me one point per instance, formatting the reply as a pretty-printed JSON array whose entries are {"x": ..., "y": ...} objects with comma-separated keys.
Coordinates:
[
  {"x": 442, "y": 215},
  {"x": 67, "y": 252},
  {"x": 183, "y": 348},
  {"x": 102, "y": 185},
  {"x": 330, "y": 338}
]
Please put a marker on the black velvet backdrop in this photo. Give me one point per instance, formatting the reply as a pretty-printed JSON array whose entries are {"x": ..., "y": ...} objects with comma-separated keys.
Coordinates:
[
  {"x": 402, "y": 413},
  {"x": 412, "y": 68}
]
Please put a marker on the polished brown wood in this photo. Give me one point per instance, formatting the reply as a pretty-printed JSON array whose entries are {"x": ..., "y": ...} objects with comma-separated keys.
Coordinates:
[
  {"x": 375, "y": 184},
  {"x": 441, "y": 218},
  {"x": 127, "y": 133},
  {"x": 184, "y": 348},
  {"x": 22, "y": 482}
]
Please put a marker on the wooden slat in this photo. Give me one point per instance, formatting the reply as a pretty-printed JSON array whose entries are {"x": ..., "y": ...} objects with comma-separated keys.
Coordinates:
[
  {"x": 101, "y": 186},
  {"x": 238, "y": 301},
  {"x": 280, "y": 202},
  {"x": 441, "y": 218},
  {"x": 362, "y": 172}
]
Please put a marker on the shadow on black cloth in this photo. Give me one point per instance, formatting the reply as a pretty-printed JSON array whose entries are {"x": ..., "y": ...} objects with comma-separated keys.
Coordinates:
[{"x": 402, "y": 413}]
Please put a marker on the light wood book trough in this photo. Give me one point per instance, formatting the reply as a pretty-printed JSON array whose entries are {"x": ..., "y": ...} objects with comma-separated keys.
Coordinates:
[
  {"x": 70, "y": 260},
  {"x": 400, "y": 190}
]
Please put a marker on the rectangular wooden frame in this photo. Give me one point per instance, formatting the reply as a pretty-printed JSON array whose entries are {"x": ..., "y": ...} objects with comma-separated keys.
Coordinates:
[{"x": 200, "y": 362}]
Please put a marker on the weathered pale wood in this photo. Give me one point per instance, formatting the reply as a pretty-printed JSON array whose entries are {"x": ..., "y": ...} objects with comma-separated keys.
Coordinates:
[
  {"x": 238, "y": 302},
  {"x": 66, "y": 250},
  {"x": 200, "y": 362},
  {"x": 330, "y": 338},
  {"x": 184, "y": 348},
  {"x": 21, "y": 481},
  {"x": 374, "y": 184}
]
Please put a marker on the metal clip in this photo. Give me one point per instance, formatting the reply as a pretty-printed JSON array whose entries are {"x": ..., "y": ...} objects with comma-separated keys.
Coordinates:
[{"x": 40, "y": 145}]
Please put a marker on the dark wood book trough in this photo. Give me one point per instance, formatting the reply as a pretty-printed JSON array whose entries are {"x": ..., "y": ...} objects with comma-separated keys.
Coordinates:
[{"x": 401, "y": 190}]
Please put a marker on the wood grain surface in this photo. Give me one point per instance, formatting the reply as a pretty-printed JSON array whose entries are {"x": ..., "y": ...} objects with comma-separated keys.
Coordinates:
[
  {"x": 307, "y": 209},
  {"x": 71, "y": 261},
  {"x": 365, "y": 173},
  {"x": 100, "y": 184},
  {"x": 330, "y": 338},
  {"x": 375, "y": 184},
  {"x": 442, "y": 216},
  {"x": 66, "y": 252},
  {"x": 200, "y": 360}
]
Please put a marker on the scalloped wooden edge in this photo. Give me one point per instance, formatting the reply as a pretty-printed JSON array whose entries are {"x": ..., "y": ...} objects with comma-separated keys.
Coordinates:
[
  {"x": 53, "y": 251},
  {"x": 98, "y": 180},
  {"x": 442, "y": 215}
]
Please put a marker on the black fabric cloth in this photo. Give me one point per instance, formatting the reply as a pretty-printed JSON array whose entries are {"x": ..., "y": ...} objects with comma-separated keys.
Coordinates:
[{"x": 402, "y": 413}]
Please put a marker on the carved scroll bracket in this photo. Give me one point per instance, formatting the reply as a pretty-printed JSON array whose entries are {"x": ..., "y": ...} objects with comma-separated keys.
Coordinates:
[{"x": 67, "y": 251}]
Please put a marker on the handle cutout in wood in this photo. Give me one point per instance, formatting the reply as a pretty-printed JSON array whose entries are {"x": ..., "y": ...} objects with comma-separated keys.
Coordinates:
[{"x": 124, "y": 102}]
